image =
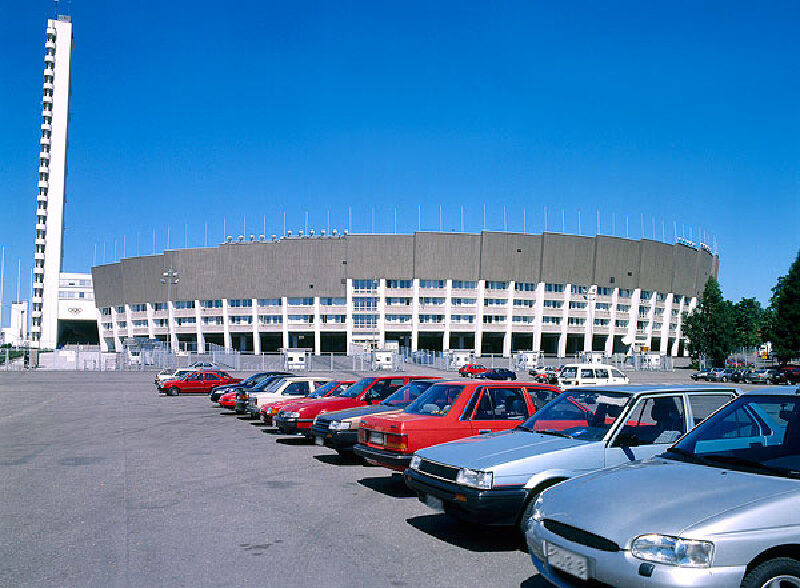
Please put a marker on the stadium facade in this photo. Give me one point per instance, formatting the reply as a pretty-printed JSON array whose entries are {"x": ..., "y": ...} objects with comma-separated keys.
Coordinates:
[{"x": 491, "y": 292}]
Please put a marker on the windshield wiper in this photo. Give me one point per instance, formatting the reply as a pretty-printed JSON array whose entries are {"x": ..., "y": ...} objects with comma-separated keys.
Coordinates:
[
  {"x": 554, "y": 433},
  {"x": 750, "y": 464}
]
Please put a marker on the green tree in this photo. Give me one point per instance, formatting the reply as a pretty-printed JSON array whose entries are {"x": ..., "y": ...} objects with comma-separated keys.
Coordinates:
[
  {"x": 749, "y": 322},
  {"x": 784, "y": 328},
  {"x": 710, "y": 329}
]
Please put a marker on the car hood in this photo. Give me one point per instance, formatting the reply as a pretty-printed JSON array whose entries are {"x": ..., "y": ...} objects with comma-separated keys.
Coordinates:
[
  {"x": 489, "y": 452},
  {"x": 360, "y": 411},
  {"x": 668, "y": 497}
]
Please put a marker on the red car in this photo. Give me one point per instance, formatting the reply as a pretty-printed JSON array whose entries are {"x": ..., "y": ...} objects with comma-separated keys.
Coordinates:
[
  {"x": 228, "y": 400},
  {"x": 199, "y": 382},
  {"x": 329, "y": 390},
  {"x": 470, "y": 370},
  {"x": 446, "y": 412},
  {"x": 365, "y": 391}
]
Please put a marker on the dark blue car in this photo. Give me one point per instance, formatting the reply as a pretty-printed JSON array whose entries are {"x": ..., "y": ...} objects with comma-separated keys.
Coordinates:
[{"x": 497, "y": 374}]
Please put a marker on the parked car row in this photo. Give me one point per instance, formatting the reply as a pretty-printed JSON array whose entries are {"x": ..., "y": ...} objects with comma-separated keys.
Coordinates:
[
  {"x": 612, "y": 485},
  {"x": 784, "y": 375}
]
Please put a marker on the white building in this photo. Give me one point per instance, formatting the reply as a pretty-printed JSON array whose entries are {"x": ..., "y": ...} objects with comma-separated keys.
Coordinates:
[{"x": 57, "y": 299}]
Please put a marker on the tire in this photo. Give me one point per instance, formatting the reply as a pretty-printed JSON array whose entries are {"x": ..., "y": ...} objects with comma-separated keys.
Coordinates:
[
  {"x": 173, "y": 391},
  {"x": 775, "y": 570},
  {"x": 526, "y": 514}
]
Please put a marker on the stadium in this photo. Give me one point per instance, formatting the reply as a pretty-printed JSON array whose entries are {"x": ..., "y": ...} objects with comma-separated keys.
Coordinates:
[{"x": 488, "y": 293}]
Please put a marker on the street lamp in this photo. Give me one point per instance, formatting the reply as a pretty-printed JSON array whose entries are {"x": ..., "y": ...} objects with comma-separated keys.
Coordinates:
[{"x": 169, "y": 277}]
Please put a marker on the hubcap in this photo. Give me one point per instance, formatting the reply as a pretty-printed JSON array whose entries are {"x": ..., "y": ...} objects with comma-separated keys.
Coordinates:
[{"x": 782, "y": 582}]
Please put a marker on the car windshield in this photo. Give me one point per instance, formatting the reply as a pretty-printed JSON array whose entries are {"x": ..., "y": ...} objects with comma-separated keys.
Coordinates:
[
  {"x": 407, "y": 394},
  {"x": 579, "y": 414},
  {"x": 268, "y": 385},
  {"x": 252, "y": 380},
  {"x": 436, "y": 400},
  {"x": 357, "y": 388},
  {"x": 754, "y": 433},
  {"x": 324, "y": 389}
]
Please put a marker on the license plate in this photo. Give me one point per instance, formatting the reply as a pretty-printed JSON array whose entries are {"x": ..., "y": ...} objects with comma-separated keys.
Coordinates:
[
  {"x": 432, "y": 502},
  {"x": 319, "y": 440},
  {"x": 566, "y": 561},
  {"x": 376, "y": 438}
]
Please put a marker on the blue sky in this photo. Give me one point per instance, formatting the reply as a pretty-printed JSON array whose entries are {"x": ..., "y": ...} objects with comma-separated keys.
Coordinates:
[{"x": 200, "y": 113}]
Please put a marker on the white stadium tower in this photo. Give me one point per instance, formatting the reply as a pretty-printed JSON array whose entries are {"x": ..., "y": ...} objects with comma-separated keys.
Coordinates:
[{"x": 61, "y": 303}]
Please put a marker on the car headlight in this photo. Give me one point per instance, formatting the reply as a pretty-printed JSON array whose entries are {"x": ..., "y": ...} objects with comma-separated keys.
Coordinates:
[
  {"x": 537, "y": 514},
  {"x": 474, "y": 478},
  {"x": 339, "y": 425},
  {"x": 290, "y": 415},
  {"x": 675, "y": 551},
  {"x": 415, "y": 461}
]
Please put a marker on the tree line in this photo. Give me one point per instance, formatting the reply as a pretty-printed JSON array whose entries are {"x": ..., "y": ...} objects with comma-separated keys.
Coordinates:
[{"x": 718, "y": 327}]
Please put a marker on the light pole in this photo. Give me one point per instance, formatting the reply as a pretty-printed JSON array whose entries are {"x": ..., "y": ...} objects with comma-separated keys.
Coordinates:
[{"x": 169, "y": 277}]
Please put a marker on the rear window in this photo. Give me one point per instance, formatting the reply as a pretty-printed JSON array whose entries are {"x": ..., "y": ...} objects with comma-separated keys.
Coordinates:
[{"x": 436, "y": 401}]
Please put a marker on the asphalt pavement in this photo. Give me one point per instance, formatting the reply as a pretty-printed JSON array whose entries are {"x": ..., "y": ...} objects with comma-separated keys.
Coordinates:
[{"x": 107, "y": 483}]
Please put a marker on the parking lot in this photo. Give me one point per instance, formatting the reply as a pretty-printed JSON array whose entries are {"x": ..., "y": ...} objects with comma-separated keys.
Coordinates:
[{"x": 106, "y": 483}]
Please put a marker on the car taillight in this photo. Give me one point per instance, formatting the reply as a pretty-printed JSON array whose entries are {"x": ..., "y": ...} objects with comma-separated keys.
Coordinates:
[{"x": 398, "y": 442}]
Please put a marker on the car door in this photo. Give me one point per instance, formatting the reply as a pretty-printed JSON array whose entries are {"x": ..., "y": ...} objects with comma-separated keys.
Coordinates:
[
  {"x": 586, "y": 377},
  {"x": 192, "y": 383},
  {"x": 499, "y": 408},
  {"x": 296, "y": 389},
  {"x": 601, "y": 376},
  {"x": 653, "y": 424},
  {"x": 702, "y": 405},
  {"x": 210, "y": 380}
]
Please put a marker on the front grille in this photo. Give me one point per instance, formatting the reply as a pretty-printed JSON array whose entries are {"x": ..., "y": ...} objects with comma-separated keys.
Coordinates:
[
  {"x": 438, "y": 470},
  {"x": 580, "y": 536},
  {"x": 322, "y": 425}
]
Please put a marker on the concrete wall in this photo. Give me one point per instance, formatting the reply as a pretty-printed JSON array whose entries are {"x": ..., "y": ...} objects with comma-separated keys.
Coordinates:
[{"x": 320, "y": 267}]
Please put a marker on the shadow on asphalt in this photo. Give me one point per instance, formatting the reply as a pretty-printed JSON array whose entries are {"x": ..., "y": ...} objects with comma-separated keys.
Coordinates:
[
  {"x": 479, "y": 539},
  {"x": 293, "y": 441},
  {"x": 245, "y": 418},
  {"x": 536, "y": 582},
  {"x": 339, "y": 460},
  {"x": 392, "y": 486},
  {"x": 228, "y": 413}
]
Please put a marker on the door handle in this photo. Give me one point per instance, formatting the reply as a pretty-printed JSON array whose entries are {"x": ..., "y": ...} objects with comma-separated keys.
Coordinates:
[{"x": 484, "y": 431}]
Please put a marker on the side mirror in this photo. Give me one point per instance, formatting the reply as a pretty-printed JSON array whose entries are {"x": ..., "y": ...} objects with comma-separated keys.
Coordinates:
[{"x": 626, "y": 440}]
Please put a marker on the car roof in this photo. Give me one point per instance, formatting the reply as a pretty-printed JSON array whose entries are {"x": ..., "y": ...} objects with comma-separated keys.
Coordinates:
[
  {"x": 658, "y": 388},
  {"x": 775, "y": 391}
]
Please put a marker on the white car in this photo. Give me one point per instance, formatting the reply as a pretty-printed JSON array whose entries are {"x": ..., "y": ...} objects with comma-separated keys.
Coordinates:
[
  {"x": 573, "y": 375},
  {"x": 165, "y": 375},
  {"x": 298, "y": 386}
]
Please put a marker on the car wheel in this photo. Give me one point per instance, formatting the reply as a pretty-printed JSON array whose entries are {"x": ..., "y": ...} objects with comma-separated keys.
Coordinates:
[
  {"x": 781, "y": 571},
  {"x": 173, "y": 391},
  {"x": 526, "y": 514}
]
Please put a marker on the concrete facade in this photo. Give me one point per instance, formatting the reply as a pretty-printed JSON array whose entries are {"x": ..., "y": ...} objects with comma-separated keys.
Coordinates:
[{"x": 501, "y": 292}]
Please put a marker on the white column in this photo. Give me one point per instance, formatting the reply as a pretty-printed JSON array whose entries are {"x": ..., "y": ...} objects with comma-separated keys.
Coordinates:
[
  {"x": 588, "y": 332},
  {"x": 198, "y": 320},
  {"x": 562, "y": 340},
  {"x": 129, "y": 319},
  {"x": 256, "y": 335},
  {"x": 509, "y": 320},
  {"x": 101, "y": 331},
  {"x": 226, "y": 328},
  {"x": 173, "y": 336},
  {"x": 537, "y": 320},
  {"x": 115, "y": 329},
  {"x": 349, "y": 319},
  {"x": 633, "y": 313},
  {"x": 317, "y": 327},
  {"x": 650, "y": 315},
  {"x": 689, "y": 309},
  {"x": 612, "y": 324},
  {"x": 151, "y": 329},
  {"x": 665, "y": 325},
  {"x": 285, "y": 314},
  {"x": 414, "y": 313},
  {"x": 448, "y": 313},
  {"x": 381, "y": 314}
]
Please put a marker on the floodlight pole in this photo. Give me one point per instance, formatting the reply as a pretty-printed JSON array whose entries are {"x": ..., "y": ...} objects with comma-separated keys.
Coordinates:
[{"x": 169, "y": 276}]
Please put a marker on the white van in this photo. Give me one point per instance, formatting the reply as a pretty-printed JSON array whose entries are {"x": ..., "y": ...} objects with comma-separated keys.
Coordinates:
[{"x": 590, "y": 374}]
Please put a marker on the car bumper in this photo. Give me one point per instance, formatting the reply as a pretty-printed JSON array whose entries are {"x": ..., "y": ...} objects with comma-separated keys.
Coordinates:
[
  {"x": 388, "y": 459},
  {"x": 339, "y": 440},
  {"x": 284, "y": 425},
  {"x": 487, "y": 507},
  {"x": 621, "y": 569}
]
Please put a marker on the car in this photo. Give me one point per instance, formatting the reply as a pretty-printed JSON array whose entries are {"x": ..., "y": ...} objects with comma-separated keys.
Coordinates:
[
  {"x": 788, "y": 374},
  {"x": 445, "y": 412},
  {"x": 762, "y": 376},
  {"x": 497, "y": 374},
  {"x": 166, "y": 375},
  {"x": 573, "y": 375},
  {"x": 339, "y": 430},
  {"x": 470, "y": 370},
  {"x": 329, "y": 390},
  {"x": 198, "y": 382},
  {"x": 228, "y": 400},
  {"x": 701, "y": 375},
  {"x": 722, "y": 375},
  {"x": 719, "y": 508},
  {"x": 250, "y": 401},
  {"x": 545, "y": 375},
  {"x": 493, "y": 480},
  {"x": 740, "y": 375},
  {"x": 204, "y": 365},
  {"x": 249, "y": 382},
  {"x": 366, "y": 391}
]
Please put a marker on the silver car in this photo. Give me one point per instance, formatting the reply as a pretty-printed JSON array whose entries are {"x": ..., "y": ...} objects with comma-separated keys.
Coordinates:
[
  {"x": 494, "y": 479},
  {"x": 719, "y": 508}
]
